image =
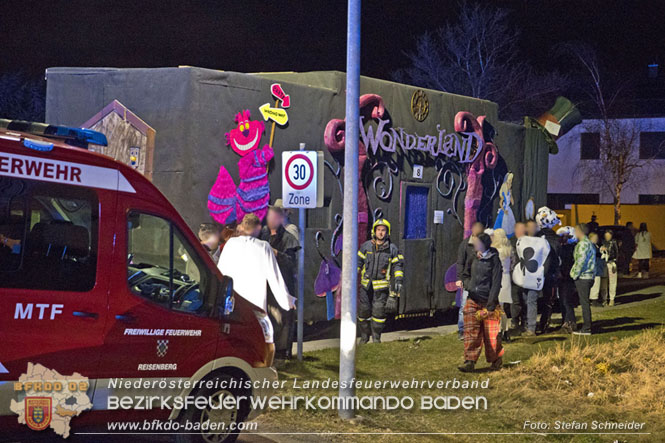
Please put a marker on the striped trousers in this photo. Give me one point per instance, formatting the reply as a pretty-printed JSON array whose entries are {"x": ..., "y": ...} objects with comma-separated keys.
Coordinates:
[{"x": 481, "y": 332}]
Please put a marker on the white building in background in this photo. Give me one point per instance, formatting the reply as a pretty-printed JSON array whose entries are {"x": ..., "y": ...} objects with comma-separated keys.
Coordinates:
[{"x": 647, "y": 185}]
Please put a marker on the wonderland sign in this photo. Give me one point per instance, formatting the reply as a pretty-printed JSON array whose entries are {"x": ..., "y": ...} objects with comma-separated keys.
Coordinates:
[{"x": 464, "y": 147}]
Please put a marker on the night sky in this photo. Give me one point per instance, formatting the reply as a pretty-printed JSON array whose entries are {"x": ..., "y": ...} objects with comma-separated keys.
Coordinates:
[{"x": 251, "y": 36}]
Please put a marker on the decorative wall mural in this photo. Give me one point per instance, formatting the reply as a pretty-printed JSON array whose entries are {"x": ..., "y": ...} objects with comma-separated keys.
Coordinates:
[
  {"x": 505, "y": 218},
  {"x": 327, "y": 282},
  {"x": 130, "y": 139},
  {"x": 371, "y": 106},
  {"x": 471, "y": 144},
  {"x": 451, "y": 176},
  {"x": 246, "y": 137},
  {"x": 461, "y": 146},
  {"x": 530, "y": 209},
  {"x": 336, "y": 240},
  {"x": 485, "y": 157},
  {"x": 383, "y": 183},
  {"x": 419, "y": 105},
  {"x": 228, "y": 202},
  {"x": 492, "y": 182},
  {"x": 450, "y": 281},
  {"x": 278, "y": 115},
  {"x": 377, "y": 215},
  {"x": 337, "y": 173}
]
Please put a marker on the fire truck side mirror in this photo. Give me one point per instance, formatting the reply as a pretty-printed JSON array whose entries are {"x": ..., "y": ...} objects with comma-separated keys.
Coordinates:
[{"x": 226, "y": 303}]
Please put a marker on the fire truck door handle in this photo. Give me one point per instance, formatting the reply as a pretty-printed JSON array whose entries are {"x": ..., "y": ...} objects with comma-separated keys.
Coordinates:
[
  {"x": 126, "y": 318},
  {"x": 84, "y": 314}
]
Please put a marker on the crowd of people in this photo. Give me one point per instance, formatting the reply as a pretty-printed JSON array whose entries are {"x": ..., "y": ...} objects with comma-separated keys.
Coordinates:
[
  {"x": 533, "y": 271},
  {"x": 505, "y": 280},
  {"x": 270, "y": 282}
]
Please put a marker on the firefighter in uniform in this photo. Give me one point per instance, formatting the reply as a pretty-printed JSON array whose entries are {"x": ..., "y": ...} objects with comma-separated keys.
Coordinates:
[{"x": 380, "y": 263}]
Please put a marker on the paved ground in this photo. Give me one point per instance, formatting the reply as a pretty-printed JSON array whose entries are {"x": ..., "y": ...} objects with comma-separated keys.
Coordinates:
[{"x": 315, "y": 345}]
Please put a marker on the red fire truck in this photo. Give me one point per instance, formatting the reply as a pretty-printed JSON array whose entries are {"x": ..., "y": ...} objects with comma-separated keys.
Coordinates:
[{"x": 100, "y": 276}]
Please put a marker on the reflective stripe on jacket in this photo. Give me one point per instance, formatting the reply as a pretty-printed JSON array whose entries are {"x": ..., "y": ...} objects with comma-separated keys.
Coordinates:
[{"x": 377, "y": 264}]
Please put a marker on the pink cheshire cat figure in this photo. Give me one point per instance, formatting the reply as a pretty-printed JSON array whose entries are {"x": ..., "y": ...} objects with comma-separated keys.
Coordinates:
[{"x": 228, "y": 203}]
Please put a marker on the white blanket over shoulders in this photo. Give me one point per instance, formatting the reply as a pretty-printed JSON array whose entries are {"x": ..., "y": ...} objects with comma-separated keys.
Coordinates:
[{"x": 251, "y": 263}]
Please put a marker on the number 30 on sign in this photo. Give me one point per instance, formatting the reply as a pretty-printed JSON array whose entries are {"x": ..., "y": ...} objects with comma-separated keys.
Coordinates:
[{"x": 300, "y": 179}]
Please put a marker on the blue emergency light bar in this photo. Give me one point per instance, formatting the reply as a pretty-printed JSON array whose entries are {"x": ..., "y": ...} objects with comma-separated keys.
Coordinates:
[{"x": 73, "y": 136}]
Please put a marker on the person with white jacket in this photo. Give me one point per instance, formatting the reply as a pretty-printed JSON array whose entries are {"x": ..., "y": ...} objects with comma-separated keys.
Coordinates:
[
  {"x": 251, "y": 263},
  {"x": 643, "y": 251}
]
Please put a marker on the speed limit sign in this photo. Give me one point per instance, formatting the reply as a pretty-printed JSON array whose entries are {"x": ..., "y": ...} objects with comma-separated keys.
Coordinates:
[{"x": 300, "y": 179}]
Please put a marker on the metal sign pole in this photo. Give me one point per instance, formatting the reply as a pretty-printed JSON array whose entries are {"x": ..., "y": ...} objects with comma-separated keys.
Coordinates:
[
  {"x": 347, "y": 348},
  {"x": 301, "y": 274}
]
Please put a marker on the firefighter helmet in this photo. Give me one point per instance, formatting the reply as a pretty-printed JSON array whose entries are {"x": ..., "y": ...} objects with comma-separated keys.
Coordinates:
[{"x": 381, "y": 222}]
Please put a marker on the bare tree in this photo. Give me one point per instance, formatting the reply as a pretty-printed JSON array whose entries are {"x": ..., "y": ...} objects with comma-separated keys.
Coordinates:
[
  {"x": 22, "y": 97},
  {"x": 619, "y": 139},
  {"x": 478, "y": 56},
  {"x": 618, "y": 161}
]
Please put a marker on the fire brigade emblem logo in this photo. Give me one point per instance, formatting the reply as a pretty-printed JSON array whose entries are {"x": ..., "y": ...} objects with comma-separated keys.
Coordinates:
[
  {"x": 60, "y": 398},
  {"x": 38, "y": 415},
  {"x": 162, "y": 347}
]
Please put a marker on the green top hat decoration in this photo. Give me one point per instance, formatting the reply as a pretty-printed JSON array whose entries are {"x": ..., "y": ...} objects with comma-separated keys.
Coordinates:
[{"x": 554, "y": 123}]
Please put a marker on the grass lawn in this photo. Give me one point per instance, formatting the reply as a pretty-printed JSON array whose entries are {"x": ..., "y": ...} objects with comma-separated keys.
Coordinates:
[{"x": 618, "y": 374}]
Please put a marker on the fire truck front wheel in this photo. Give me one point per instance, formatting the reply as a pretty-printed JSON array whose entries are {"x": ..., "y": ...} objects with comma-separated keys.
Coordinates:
[{"x": 219, "y": 422}]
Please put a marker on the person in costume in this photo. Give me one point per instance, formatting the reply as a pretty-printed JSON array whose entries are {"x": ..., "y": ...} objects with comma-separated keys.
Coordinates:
[
  {"x": 517, "y": 307},
  {"x": 482, "y": 313},
  {"x": 546, "y": 220},
  {"x": 610, "y": 253},
  {"x": 567, "y": 284},
  {"x": 529, "y": 273},
  {"x": 505, "y": 218},
  {"x": 501, "y": 243},
  {"x": 643, "y": 251},
  {"x": 380, "y": 263}
]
